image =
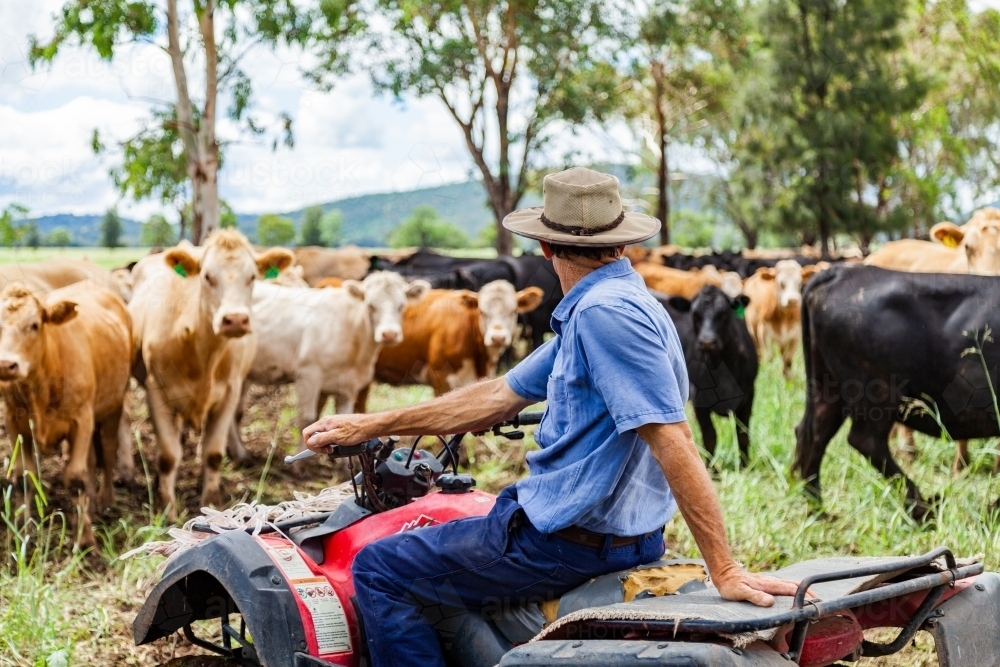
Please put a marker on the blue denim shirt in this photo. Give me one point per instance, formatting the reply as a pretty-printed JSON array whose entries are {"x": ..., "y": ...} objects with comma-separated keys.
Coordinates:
[{"x": 615, "y": 364}]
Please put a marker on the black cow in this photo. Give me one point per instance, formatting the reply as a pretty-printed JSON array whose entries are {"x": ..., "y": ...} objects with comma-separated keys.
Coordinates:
[
  {"x": 424, "y": 264},
  {"x": 874, "y": 340},
  {"x": 721, "y": 360}
]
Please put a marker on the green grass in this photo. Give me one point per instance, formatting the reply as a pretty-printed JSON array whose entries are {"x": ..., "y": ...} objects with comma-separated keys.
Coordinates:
[
  {"x": 109, "y": 259},
  {"x": 57, "y": 608}
]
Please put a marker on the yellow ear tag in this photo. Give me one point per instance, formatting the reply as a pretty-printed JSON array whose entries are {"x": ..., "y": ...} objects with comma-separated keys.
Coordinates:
[
  {"x": 271, "y": 273},
  {"x": 179, "y": 270},
  {"x": 949, "y": 242}
]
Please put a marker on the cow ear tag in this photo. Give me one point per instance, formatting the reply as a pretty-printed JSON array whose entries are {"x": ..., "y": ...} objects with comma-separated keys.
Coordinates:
[
  {"x": 740, "y": 311},
  {"x": 271, "y": 273},
  {"x": 179, "y": 270},
  {"x": 949, "y": 242}
]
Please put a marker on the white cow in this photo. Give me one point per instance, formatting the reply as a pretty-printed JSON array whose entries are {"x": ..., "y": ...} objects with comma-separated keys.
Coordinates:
[{"x": 326, "y": 340}]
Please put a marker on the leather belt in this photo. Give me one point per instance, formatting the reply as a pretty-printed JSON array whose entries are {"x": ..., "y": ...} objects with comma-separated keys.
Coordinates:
[{"x": 594, "y": 540}]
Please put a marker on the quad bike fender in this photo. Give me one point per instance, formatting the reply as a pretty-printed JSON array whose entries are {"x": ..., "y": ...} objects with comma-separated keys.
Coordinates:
[
  {"x": 965, "y": 629},
  {"x": 225, "y": 574}
]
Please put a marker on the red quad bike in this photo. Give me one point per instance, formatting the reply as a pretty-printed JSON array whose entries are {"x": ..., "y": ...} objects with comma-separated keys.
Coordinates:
[{"x": 285, "y": 598}]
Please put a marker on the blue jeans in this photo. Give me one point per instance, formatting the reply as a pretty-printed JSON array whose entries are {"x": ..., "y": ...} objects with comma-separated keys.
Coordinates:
[{"x": 478, "y": 564}]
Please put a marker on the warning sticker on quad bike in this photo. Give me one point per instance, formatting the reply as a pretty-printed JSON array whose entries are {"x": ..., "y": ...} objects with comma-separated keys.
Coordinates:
[
  {"x": 329, "y": 621},
  {"x": 287, "y": 557}
]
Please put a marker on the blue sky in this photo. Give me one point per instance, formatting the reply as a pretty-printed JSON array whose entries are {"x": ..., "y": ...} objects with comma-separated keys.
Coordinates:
[{"x": 348, "y": 141}]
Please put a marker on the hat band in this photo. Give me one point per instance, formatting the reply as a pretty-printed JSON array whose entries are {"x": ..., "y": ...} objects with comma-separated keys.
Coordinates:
[{"x": 583, "y": 231}]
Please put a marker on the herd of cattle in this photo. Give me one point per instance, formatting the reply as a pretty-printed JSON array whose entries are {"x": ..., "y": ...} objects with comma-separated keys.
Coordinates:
[{"x": 900, "y": 340}]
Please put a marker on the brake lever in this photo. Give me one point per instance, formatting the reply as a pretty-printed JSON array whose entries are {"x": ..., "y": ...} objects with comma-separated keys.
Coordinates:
[{"x": 304, "y": 454}]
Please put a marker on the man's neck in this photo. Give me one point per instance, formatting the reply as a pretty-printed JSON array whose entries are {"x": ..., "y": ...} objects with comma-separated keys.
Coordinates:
[{"x": 572, "y": 271}]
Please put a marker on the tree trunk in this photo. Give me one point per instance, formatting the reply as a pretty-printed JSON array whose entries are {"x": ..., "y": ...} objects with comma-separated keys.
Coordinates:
[
  {"x": 662, "y": 169},
  {"x": 207, "y": 144}
]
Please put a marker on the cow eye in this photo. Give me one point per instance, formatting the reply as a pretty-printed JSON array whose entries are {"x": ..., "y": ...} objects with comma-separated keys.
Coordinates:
[
  {"x": 209, "y": 279},
  {"x": 34, "y": 326},
  {"x": 250, "y": 280}
]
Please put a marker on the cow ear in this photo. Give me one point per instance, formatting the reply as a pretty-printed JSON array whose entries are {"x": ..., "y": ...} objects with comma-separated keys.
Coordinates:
[
  {"x": 416, "y": 289},
  {"x": 739, "y": 302},
  {"x": 766, "y": 273},
  {"x": 469, "y": 299},
  {"x": 680, "y": 304},
  {"x": 273, "y": 261},
  {"x": 947, "y": 234},
  {"x": 182, "y": 262},
  {"x": 809, "y": 271},
  {"x": 354, "y": 288},
  {"x": 529, "y": 298},
  {"x": 59, "y": 312}
]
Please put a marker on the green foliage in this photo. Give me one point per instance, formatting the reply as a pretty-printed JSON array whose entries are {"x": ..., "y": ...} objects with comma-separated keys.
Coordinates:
[
  {"x": 157, "y": 233},
  {"x": 425, "y": 229},
  {"x": 111, "y": 229},
  {"x": 32, "y": 236},
  {"x": 311, "y": 233},
  {"x": 227, "y": 217},
  {"x": 60, "y": 237},
  {"x": 275, "y": 230},
  {"x": 13, "y": 225},
  {"x": 331, "y": 228}
]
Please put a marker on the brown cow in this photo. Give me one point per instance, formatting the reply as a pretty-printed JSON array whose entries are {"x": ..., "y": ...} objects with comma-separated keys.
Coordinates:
[
  {"x": 674, "y": 281},
  {"x": 64, "y": 369},
  {"x": 349, "y": 263},
  {"x": 194, "y": 342},
  {"x": 773, "y": 312},
  {"x": 453, "y": 338},
  {"x": 43, "y": 277},
  {"x": 972, "y": 248}
]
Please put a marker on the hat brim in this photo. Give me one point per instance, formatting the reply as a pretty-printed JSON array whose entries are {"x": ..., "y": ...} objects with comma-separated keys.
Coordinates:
[{"x": 634, "y": 228}]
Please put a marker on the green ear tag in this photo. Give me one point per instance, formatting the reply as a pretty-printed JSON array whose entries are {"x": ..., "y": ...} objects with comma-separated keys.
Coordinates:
[
  {"x": 271, "y": 273},
  {"x": 179, "y": 270},
  {"x": 740, "y": 311}
]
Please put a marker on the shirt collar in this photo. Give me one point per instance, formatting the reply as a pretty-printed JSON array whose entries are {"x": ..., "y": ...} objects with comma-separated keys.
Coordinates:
[{"x": 617, "y": 269}]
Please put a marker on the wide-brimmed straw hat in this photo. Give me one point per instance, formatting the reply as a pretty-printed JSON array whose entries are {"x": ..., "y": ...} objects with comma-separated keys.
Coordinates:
[{"x": 582, "y": 208}]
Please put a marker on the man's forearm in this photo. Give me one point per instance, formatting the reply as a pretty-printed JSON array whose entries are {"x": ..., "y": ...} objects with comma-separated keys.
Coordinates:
[
  {"x": 697, "y": 500},
  {"x": 471, "y": 408}
]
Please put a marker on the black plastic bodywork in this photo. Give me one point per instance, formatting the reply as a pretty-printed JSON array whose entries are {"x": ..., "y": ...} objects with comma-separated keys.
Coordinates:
[
  {"x": 227, "y": 574},
  {"x": 967, "y": 630},
  {"x": 598, "y": 653}
]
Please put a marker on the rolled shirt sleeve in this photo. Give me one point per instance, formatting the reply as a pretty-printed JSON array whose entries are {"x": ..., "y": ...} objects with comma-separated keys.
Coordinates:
[
  {"x": 530, "y": 378},
  {"x": 637, "y": 365}
]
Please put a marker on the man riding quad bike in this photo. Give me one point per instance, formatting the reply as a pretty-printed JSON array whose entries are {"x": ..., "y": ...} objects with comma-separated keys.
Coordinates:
[{"x": 568, "y": 556}]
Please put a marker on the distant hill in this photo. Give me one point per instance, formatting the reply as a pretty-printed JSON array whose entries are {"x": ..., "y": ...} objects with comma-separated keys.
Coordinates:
[
  {"x": 86, "y": 229},
  {"x": 369, "y": 219}
]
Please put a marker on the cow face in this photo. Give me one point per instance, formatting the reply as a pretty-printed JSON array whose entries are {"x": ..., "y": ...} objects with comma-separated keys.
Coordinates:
[
  {"x": 499, "y": 305},
  {"x": 979, "y": 238},
  {"x": 787, "y": 277},
  {"x": 226, "y": 269},
  {"x": 386, "y": 294},
  {"x": 23, "y": 321},
  {"x": 712, "y": 316}
]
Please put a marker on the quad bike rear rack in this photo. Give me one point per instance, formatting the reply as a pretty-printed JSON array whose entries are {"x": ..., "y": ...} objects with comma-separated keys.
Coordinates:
[{"x": 804, "y": 610}]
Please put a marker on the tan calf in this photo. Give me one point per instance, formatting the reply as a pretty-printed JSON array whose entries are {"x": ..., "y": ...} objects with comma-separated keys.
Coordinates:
[
  {"x": 194, "y": 339},
  {"x": 64, "y": 368},
  {"x": 972, "y": 248}
]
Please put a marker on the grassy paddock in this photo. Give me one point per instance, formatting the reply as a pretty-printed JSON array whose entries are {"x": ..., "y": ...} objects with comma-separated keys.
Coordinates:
[{"x": 57, "y": 608}]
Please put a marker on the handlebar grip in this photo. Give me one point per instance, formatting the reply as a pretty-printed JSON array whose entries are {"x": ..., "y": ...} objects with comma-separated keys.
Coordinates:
[{"x": 529, "y": 418}]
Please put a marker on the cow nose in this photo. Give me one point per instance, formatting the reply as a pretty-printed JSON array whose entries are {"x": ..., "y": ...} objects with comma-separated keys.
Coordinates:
[
  {"x": 389, "y": 336},
  {"x": 9, "y": 368},
  {"x": 499, "y": 339},
  {"x": 235, "y": 324},
  {"x": 708, "y": 343}
]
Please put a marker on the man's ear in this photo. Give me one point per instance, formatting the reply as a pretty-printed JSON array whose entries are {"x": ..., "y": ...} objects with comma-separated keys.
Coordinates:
[
  {"x": 469, "y": 299},
  {"x": 741, "y": 301},
  {"x": 680, "y": 304},
  {"x": 416, "y": 289},
  {"x": 273, "y": 261},
  {"x": 766, "y": 273},
  {"x": 947, "y": 234},
  {"x": 59, "y": 312},
  {"x": 354, "y": 288},
  {"x": 182, "y": 262},
  {"x": 529, "y": 298},
  {"x": 546, "y": 249}
]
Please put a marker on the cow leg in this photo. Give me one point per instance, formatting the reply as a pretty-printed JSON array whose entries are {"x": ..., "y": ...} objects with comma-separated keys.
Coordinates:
[
  {"x": 709, "y": 439},
  {"x": 168, "y": 434},
  {"x": 109, "y": 431},
  {"x": 80, "y": 473},
  {"x": 125, "y": 460},
  {"x": 234, "y": 441},
  {"x": 907, "y": 446},
  {"x": 742, "y": 415},
  {"x": 308, "y": 388},
  {"x": 871, "y": 439},
  {"x": 787, "y": 356},
  {"x": 961, "y": 456},
  {"x": 811, "y": 446},
  {"x": 361, "y": 403},
  {"x": 321, "y": 404},
  {"x": 216, "y": 432}
]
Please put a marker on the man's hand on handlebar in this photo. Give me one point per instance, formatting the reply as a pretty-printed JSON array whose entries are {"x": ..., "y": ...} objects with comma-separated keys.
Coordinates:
[{"x": 337, "y": 430}]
